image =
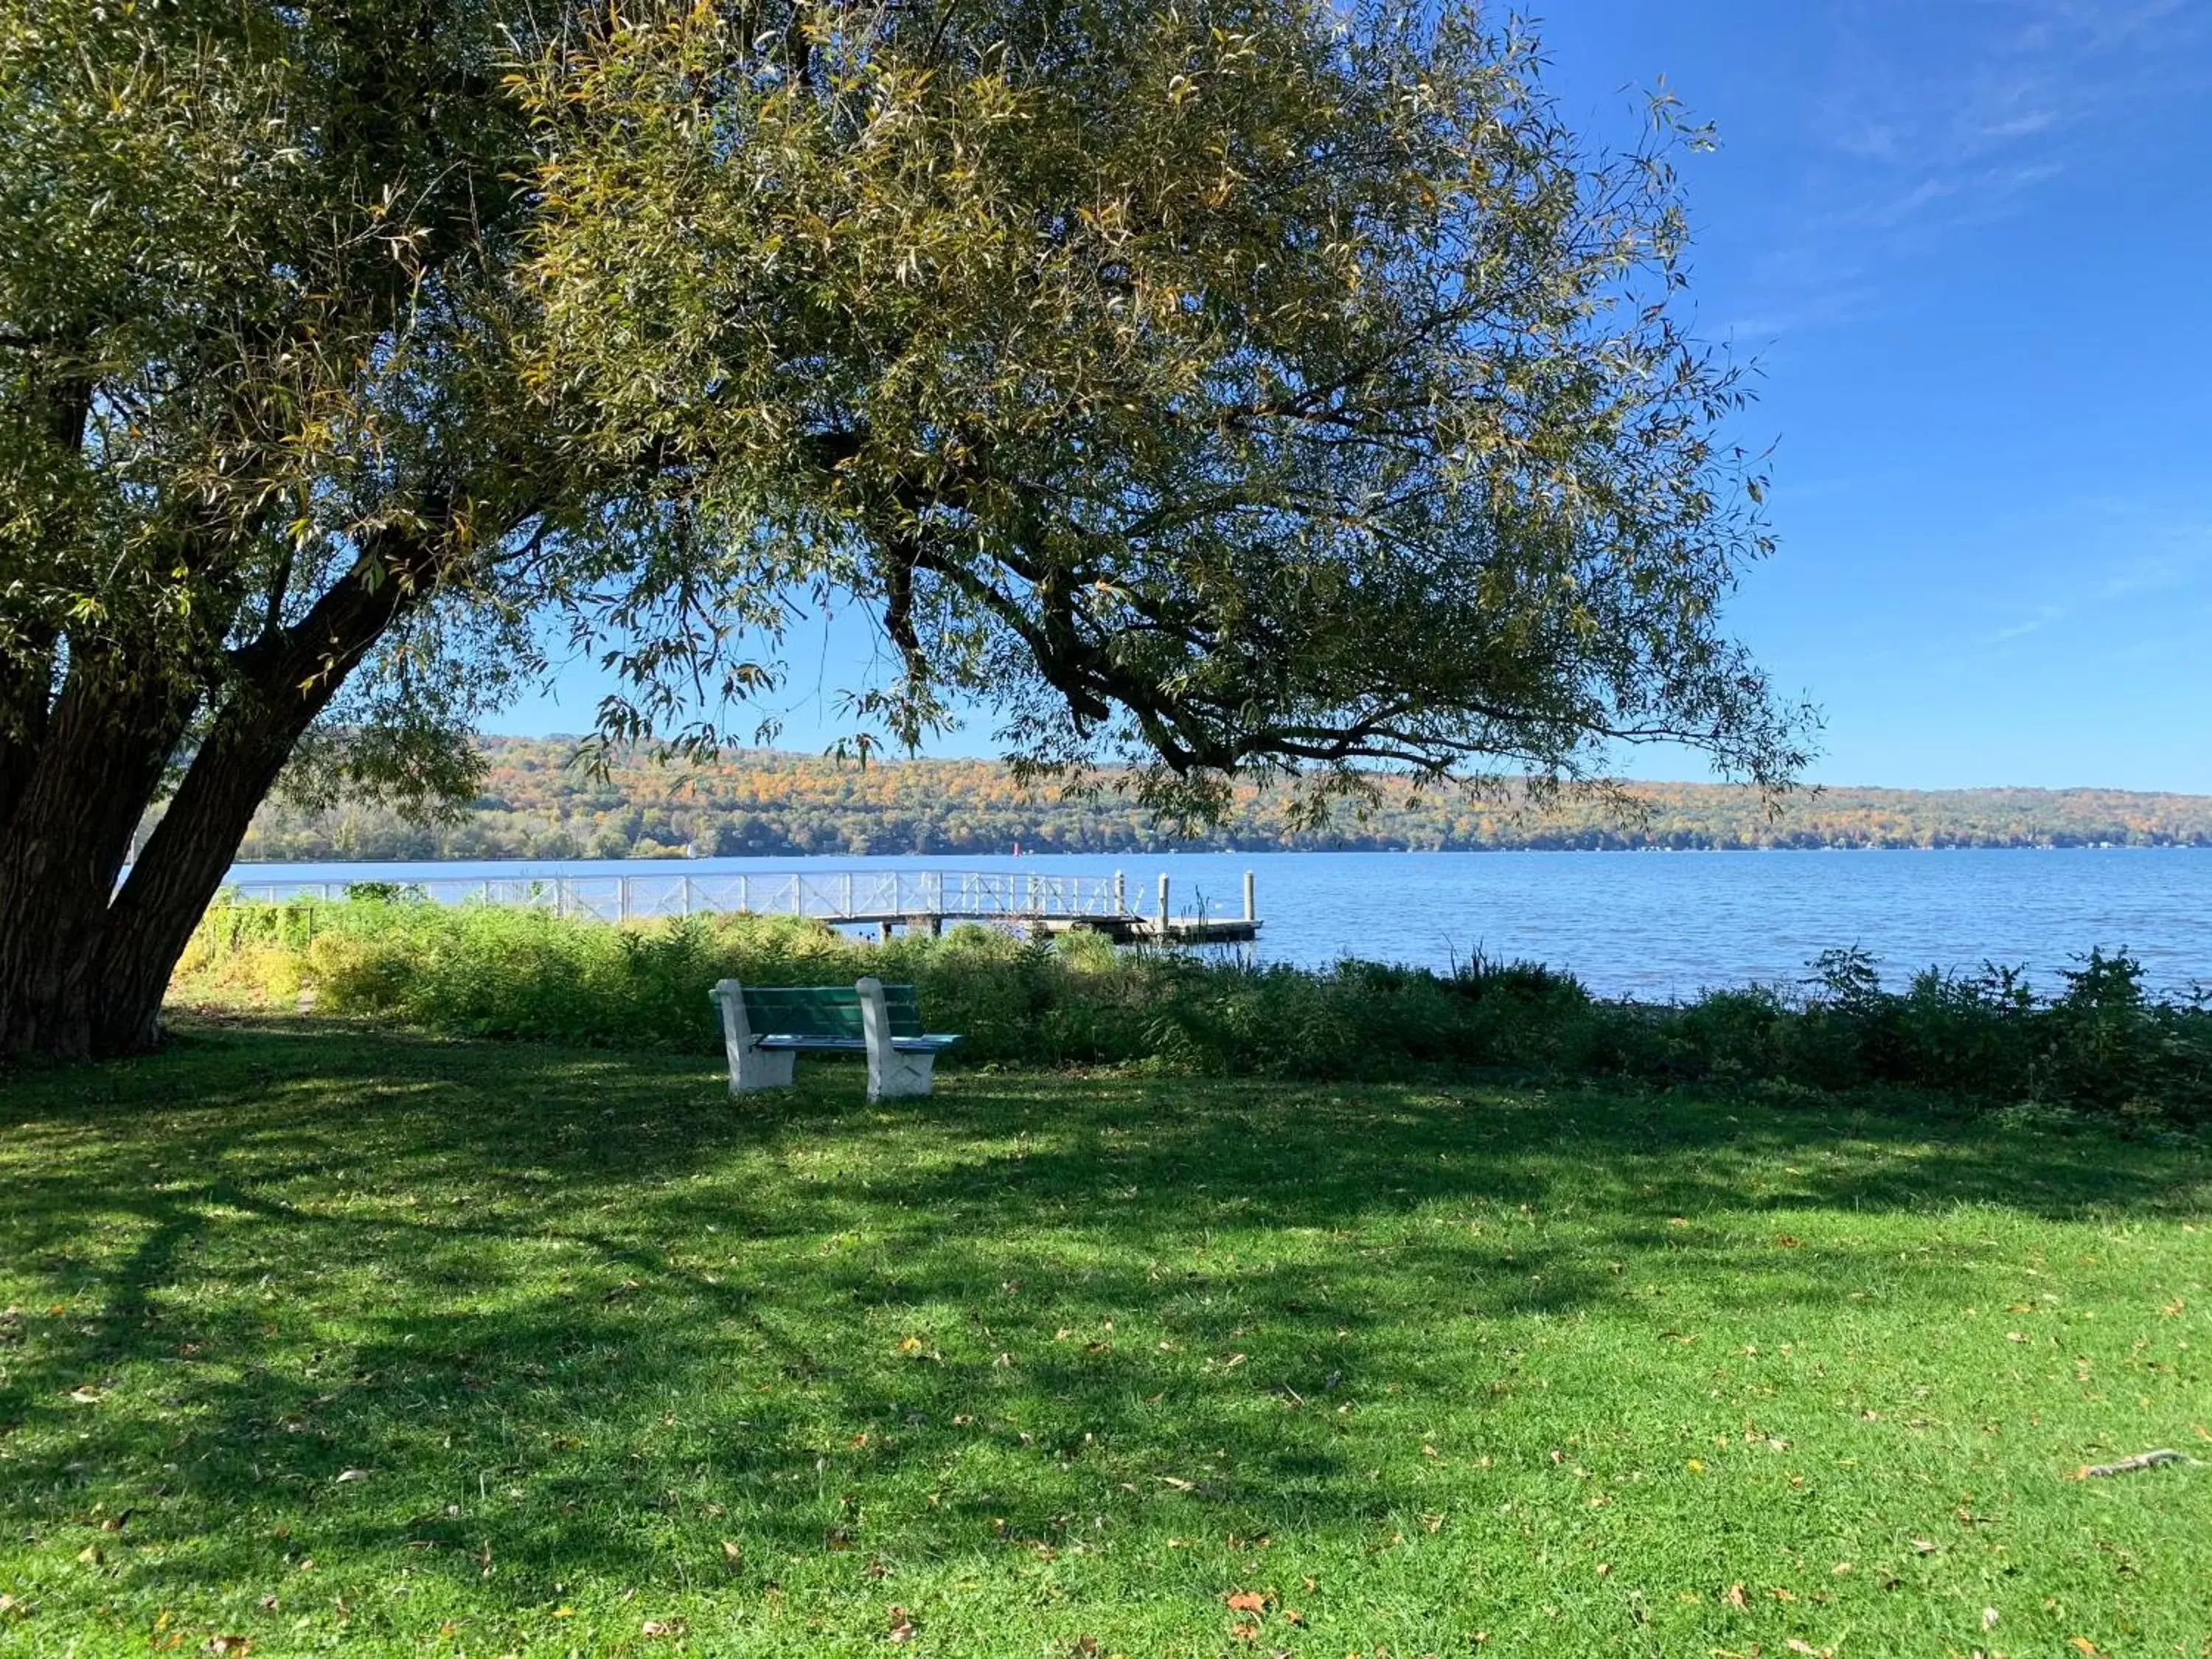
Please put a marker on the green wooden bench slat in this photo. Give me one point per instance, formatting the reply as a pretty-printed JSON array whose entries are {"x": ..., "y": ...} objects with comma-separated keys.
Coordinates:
[
  {"x": 831, "y": 1012},
  {"x": 803, "y": 1011},
  {"x": 930, "y": 1043}
]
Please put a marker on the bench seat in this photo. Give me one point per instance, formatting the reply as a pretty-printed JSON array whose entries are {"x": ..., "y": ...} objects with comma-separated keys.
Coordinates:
[
  {"x": 766, "y": 1027},
  {"x": 930, "y": 1043}
]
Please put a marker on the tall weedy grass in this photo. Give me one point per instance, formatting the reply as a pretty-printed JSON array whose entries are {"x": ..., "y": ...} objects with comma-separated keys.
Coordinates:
[{"x": 2099, "y": 1045}]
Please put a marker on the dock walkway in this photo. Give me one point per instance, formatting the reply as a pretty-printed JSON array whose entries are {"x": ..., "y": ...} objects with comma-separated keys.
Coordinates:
[{"x": 923, "y": 900}]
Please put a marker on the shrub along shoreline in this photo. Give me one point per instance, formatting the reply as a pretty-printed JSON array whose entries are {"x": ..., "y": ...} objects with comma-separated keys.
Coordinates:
[{"x": 2100, "y": 1046}]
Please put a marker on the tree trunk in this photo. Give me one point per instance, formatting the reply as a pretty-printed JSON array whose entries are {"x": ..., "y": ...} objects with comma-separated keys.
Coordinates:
[
  {"x": 82, "y": 968},
  {"x": 286, "y": 681},
  {"x": 26, "y": 672},
  {"x": 64, "y": 844},
  {"x": 184, "y": 862},
  {"x": 26, "y": 696}
]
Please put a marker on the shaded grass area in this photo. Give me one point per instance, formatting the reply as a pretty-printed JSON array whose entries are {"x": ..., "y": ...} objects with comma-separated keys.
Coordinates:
[{"x": 380, "y": 1344}]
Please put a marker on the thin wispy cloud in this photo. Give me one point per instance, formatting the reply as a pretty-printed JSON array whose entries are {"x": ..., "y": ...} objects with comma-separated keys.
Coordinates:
[
  {"x": 1932, "y": 118},
  {"x": 2137, "y": 568},
  {"x": 2042, "y": 618}
]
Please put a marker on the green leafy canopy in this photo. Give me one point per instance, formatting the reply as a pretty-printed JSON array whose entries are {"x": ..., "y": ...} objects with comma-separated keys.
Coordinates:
[
  {"x": 1216, "y": 388},
  {"x": 1230, "y": 386}
]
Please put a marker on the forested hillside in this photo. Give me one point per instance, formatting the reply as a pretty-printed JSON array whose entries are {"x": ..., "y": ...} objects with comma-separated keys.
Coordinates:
[{"x": 536, "y": 804}]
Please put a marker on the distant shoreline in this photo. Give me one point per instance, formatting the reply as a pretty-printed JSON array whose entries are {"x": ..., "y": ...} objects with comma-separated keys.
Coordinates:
[
  {"x": 558, "y": 866},
  {"x": 532, "y": 803}
]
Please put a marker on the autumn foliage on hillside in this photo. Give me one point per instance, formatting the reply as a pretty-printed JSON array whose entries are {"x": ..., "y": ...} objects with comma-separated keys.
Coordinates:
[{"x": 537, "y": 802}]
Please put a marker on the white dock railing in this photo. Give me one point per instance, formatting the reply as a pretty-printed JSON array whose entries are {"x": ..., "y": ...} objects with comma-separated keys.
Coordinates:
[{"x": 840, "y": 895}]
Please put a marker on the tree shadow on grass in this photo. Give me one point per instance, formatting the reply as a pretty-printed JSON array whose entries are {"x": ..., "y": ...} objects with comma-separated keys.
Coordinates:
[{"x": 580, "y": 1313}]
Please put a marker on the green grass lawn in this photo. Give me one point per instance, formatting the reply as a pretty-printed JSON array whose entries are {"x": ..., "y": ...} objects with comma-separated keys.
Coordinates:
[{"x": 336, "y": 1341}]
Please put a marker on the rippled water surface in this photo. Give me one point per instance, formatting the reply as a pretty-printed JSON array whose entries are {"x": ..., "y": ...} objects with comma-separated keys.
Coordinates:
[{"x": 1645, "y": 924}]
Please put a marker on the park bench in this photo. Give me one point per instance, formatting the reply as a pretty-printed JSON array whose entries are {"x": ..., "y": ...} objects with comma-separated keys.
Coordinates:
[{"x": 766, "y": 1028}]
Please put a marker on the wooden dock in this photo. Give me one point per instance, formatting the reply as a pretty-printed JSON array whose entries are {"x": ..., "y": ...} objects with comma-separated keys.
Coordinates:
[{"x": 885, "y": 901}]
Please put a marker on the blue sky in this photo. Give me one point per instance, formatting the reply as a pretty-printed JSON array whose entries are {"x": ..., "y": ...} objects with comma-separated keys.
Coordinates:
[{"x": 1969, "y": 244}]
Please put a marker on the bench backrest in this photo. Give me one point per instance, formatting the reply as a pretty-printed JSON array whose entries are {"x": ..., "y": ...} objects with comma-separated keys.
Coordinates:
[{"x": 825, "y": 1010}]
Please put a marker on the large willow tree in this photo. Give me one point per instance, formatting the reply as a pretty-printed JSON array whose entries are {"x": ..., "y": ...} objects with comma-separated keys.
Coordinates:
[{"x": 1213, "y": 385}]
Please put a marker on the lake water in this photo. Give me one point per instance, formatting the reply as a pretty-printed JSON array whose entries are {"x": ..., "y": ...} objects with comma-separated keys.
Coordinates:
[{"x": 1653, "y": 925}]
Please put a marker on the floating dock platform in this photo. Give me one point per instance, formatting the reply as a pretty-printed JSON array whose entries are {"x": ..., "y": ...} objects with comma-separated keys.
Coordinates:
[{"x": 886, "y": 901}]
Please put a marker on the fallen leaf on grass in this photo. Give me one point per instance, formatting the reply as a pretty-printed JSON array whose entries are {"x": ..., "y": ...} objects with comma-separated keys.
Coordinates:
[
  {"x": 1246, "y": 1602},
  {"x": 2089, "y": 1647},
  {"x": 1735, "y": 1596},
  {"x": 228, "y": 1644},
  {"x": 352, "y": 1474},
  {"x": 902, "y": 1628},
  {"x": 1086, "y": 1647},
  {"x": 663, "y": 1627},
  {"x": 1244, "y": 1632},
  {"x": 732, "y": 1555}
]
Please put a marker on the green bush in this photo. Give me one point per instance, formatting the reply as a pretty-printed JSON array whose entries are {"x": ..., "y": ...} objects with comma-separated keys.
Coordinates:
[{"x": 2100, "y": 1047}]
